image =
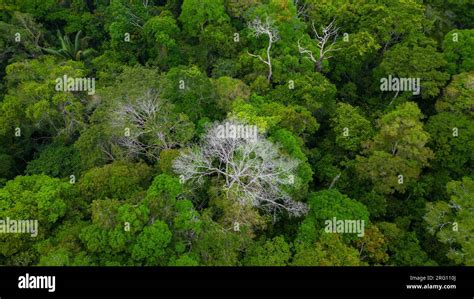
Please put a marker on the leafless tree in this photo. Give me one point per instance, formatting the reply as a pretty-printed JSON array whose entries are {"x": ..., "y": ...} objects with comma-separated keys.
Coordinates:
[
  {"x": 265, "y": 28},
  {"x": 325, "y": 44},
  {"x": 152, "y": 125},
  {"x": 253, "y": 171}
]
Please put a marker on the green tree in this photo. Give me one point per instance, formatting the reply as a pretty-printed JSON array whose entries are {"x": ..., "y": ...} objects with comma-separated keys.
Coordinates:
[
  {"x": 274, "y": 252},
  {"x": 398, "y": 148},
  {"x": 452, "y": 222},
  {"x": 270, "y": 116},
  {"x": 403, "y": 246},
  {"x": 330, "y": 250},
  {"x": 161, "y": 34},
  {"x": 124, "y": 23},
  {"x": 151, "y": 243},
  {"x": 63, "y": 247},
  {"x": 324, "y": 206},
  {"x": 458, "y": 50},
  {"x": 350, "y": 127},
  {"x": 36, "y": 198},
  {"x": 192, "y": 93},
  {"x": 228, "y": 91},
  {"x": 164, "y": 200},
  {"x": 119, "y": 180},
  {"x": 458, "y": 96},
  {"x": 414, "y": 60},
  {"x": 216, "y": 246},
  {"x": 55, "y": 160},
  {"x": 33, "y": 104},
  {"x": 452, "y": 142},
  {"x": 372, "y": 246},
  {"x": 30, "y": 34},
  {"x": 196, "y": 14}
]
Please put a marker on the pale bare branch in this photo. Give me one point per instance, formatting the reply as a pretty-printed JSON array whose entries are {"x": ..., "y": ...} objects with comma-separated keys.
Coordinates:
[
  {"x": 253, "y": 171},
  {"x": 151, "y": 125},
  {"x": 325, "y": 42},
  {"x": 267, "y": 28}
]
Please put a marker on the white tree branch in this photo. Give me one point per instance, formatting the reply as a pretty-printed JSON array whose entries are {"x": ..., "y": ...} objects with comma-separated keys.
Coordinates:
[
  {"x": 324, "y": 42},
  {"x": 265, "y": 28},
  {"x": 253, "y": 171}
]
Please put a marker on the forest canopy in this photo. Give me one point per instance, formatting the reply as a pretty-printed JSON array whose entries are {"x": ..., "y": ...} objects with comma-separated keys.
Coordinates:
[{"x": 236, "y": 133}]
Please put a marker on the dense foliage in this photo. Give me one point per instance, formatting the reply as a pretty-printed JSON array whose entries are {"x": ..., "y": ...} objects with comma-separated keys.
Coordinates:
[{"x": 136, "y": 169}]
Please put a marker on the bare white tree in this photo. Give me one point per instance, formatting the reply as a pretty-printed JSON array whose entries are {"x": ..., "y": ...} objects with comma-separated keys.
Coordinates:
[
  {"x": 325, "y": 44},
  {"x": 265, "y": 28},
  {"x": 152, "y": 125},
  {"x": 252, "y": 170}
]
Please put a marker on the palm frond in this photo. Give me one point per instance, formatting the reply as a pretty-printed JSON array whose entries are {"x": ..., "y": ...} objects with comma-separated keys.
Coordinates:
[
  {"x": 68, "y": 49},
  {"x": 77, "y": 42}
]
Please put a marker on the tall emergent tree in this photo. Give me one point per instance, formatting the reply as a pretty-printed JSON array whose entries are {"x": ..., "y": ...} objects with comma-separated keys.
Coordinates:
[
  {"x": 269, "y": 29},
  {"x": 252, "y": 170},
  {"x": 324, "y": 42},
  {"x": 453, "y": 222},
  {"x": 397, "y": 153}
]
